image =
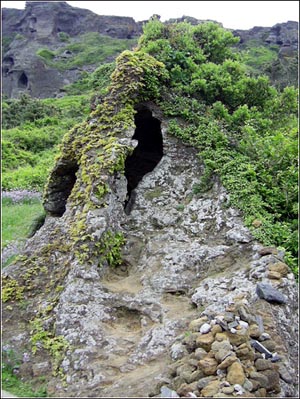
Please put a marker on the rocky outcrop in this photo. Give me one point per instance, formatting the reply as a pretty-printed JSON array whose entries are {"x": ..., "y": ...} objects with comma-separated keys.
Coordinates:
[
  {"x": 283, "y": 34},
  {"x": 104, "y": 300},
  {"x": 44, "y": 20},
  {"x": 41, "y": 25},
  {"x": 283, "y": 71}
]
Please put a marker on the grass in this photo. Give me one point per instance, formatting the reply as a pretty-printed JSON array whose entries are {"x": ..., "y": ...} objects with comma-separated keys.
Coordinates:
[
  {"x": 89, "y": 48},
  {"x": 257, "y": 56},
  {"x": 17, "y": 219},
  {"x": 12, "y": 383}
]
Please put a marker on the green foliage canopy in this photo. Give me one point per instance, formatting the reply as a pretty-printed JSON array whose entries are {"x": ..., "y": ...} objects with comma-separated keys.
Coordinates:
[{"x": 244, "y": 128}]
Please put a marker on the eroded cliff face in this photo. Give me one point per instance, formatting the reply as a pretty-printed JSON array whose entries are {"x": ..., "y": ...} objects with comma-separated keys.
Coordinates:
[
  {"x": 106, "y": 298},
  {"x": 40, "y": 26}
]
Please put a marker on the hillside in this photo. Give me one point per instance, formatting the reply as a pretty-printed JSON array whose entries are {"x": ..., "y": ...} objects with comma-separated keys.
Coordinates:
[
  {"x": 165, "y": 262},
  {"x": 41, "y": 41},
  {"x": 50, "y": 45}
]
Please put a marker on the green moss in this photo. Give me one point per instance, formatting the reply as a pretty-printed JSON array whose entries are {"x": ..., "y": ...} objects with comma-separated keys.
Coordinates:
[
  {"x": 95, "y": 146},
  {"x": 11, "y": 290},
  {"x": 46, "y": 54},
  {"x": 42, "y": 338},
  {"x": 110, "y": 248}
]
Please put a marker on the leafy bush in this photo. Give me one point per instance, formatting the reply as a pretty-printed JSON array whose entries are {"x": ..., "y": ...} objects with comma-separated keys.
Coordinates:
[
  {"x": 244, "y": 128},
  {"x": 16, "y": 111},
  {"x": 28, "y": 151}
]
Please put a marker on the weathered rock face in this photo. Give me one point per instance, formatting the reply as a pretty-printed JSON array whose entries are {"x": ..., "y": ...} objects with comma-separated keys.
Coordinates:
[
  {"x": 283, "y": 34},
  {"x": 40, "y": 25},
  {"x": 284, "y": 70},
  {"x": 43, "y": 20},
  {"x": 186, "y": 255}
]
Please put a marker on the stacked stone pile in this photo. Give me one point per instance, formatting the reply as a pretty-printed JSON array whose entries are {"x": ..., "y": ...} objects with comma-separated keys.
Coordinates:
[{"x": 227, "y": 354}]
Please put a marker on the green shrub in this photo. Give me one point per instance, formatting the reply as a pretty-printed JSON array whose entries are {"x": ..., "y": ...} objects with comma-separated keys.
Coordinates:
[{"x": 17, "y": 111}]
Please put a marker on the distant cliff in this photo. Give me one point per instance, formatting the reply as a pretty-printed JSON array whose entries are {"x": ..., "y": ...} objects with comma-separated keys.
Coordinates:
[
  {"x": 52, "y": 26},
  {"x": 49, "y": 25}
]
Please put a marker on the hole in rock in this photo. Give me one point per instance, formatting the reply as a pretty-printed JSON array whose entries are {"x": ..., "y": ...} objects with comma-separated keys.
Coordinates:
[
  {"x": 23, "y": 80},
  {"x": 9, "y": 61},
  {"x": 59, "y": 188},
  {"x": 146, "y": 155}
]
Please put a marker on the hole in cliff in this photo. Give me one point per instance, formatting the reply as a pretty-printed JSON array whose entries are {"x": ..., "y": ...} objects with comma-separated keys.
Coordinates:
[
  {"x": 146, "y": 155},
  {"x": 9, "y": 61},
  {"x": 59, "y": 188},
  {"x": 23, "y": 80}
]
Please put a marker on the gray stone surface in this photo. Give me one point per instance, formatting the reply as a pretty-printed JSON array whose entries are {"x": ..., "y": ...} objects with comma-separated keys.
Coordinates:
[
  {"x": 269, "y": 293},
  {"x": 121, "y": 322}
]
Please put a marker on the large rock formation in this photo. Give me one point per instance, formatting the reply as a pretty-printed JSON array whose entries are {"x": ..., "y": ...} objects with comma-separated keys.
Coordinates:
[
  {"x": 104, "y": 300},
  {"x": 283, "y": 34},
  {"x": 283, "y": 71},
  {"x": 41, "y": 25}
]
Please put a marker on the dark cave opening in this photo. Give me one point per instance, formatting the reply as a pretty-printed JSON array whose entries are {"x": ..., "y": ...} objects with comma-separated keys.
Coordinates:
[
  {"x": 23, "y": 80},
  {"x": 146, "y": 155},
  {"x": 59, "y": 188},
  {"x": 8, "y": 61}
]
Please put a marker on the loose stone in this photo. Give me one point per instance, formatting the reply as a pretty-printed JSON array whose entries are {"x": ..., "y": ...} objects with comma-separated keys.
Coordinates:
[
  {"x": 184, "y": 389},
  {"x": 273, "y": 275},
  {"x": 227, "y": 362},
  {"x": 228, "y": 390},
  {"x": 248, "y": 385},
  {"x": 205, "y": 381},
  {"x": 221, "y": 349},
  {"x": 280, "y": 268},
  {"x": 273, "y": 380},
  {"x": 260, "y": 378},
  {"x": 168, "y": 393},
  {"x": 268, "y": 251},
  {"x": 235, "y": 374},
  {"x": 262, "y": 364},
  {"x": 216, "y": 329},
  {"x": 178, "y": 351},
  {"x": 261, "y": 393},
  {"x": 205, "y": 340},
  {"x": 197, "y": 323},
  {"x": 270, "y": 294},
  {"x": 264, "y": 336},
  {"x": 208, "y": 365},
  {"x": 284, "y": 374},
  {"x": 200, "y": 353},
  {"x": 205, "y": 328},
  {"x": 254, "y": 331},
  {"x": 211, "y": 389}
]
